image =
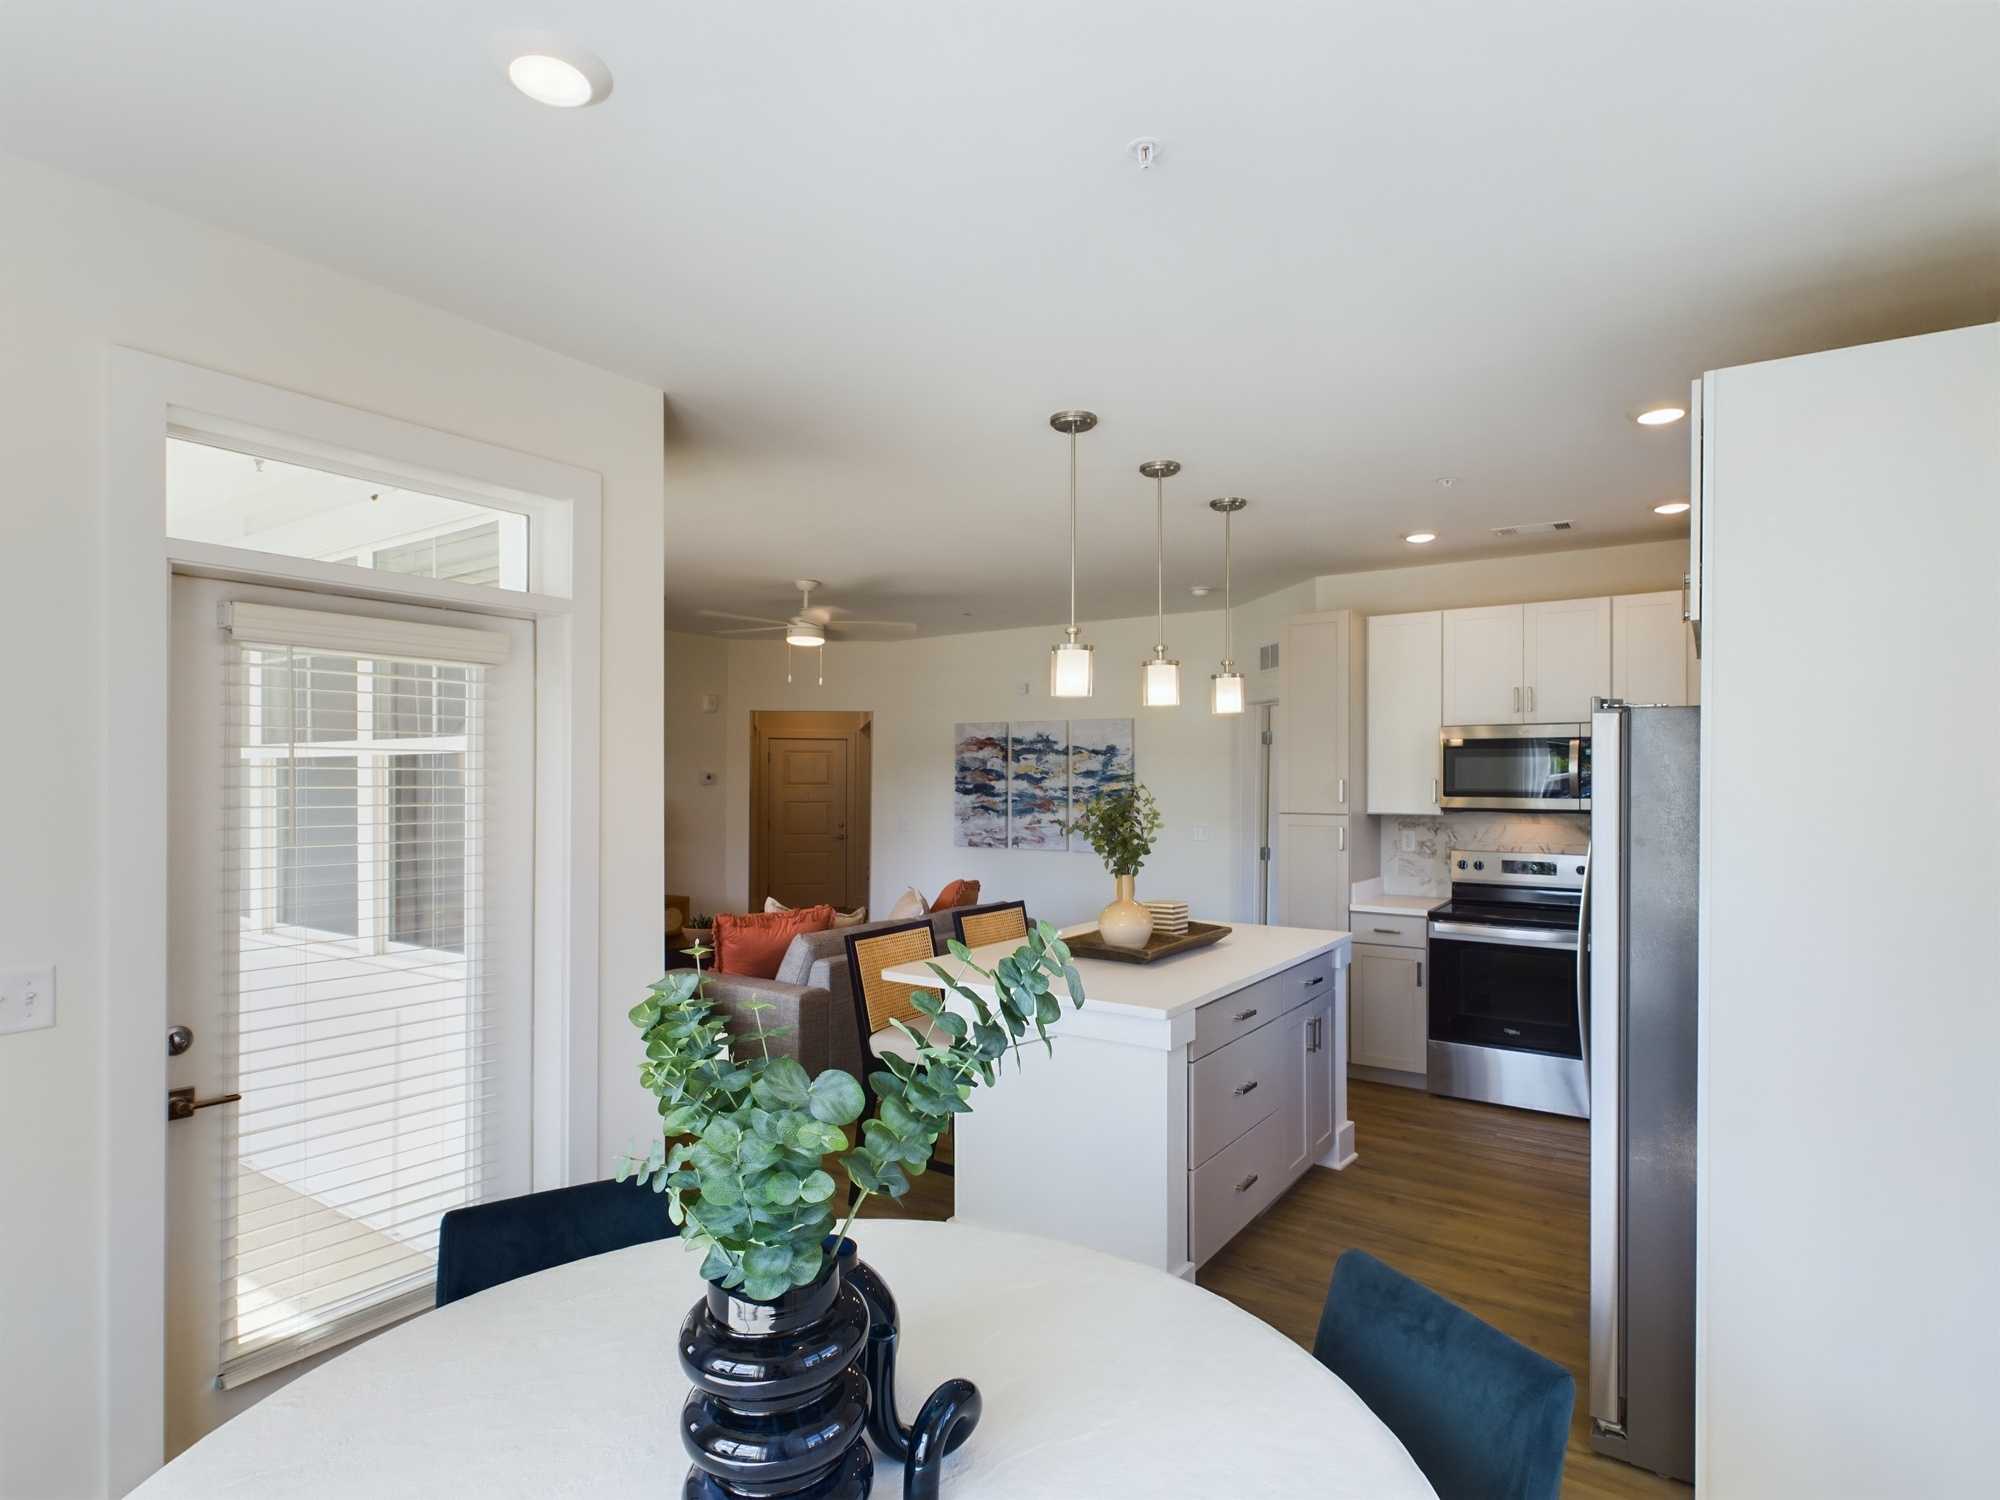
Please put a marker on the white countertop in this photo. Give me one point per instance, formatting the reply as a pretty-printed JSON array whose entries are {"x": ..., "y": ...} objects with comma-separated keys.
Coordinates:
[
  {"x": 1398, "y": 906},
  {"x": 1166, "y": 987}
]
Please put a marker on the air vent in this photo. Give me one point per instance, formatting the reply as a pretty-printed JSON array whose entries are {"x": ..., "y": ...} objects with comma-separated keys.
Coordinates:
[
  {"x": 1534, "y": 528},
  {"x": 1267, "y": 657}
]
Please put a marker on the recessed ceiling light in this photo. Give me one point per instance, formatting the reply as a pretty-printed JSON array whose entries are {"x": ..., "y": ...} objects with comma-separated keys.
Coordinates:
[
  {"x": 1671, "y": 508},
  {"x": 1201, "y": 590},
  {"x": 560, "y": 82},
  {"x": 1418, "y": 538},
  {"x": 1660, "y": 416}
]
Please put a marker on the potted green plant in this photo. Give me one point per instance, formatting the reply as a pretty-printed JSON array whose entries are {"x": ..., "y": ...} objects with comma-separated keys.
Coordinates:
[
  {"x": 742, "y": 1161},
  {"x": 1121, "y": 826}
]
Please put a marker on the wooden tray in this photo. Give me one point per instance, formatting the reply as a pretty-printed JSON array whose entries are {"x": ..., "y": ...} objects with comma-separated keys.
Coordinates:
[{"x": 1198, "y": 935}]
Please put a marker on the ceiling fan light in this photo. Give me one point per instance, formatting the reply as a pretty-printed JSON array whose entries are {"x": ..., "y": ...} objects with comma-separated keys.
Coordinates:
[
  {"x": 1225, "y": 690},
  {"x": 804, "y": 633},
  {"x": 1160, "y": 683},
  {"x": 1069, "y": 670}
]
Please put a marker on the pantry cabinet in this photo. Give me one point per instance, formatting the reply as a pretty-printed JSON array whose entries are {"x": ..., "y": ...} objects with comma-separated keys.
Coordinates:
[
  {"x": 1323, "y": 677},
  {"x": 1405, "y": 694},
  {"x": 1314, "y": 874}
]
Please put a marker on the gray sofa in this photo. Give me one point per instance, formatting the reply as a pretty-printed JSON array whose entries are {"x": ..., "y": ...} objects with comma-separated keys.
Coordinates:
[{"x": 811, "y": 1000}]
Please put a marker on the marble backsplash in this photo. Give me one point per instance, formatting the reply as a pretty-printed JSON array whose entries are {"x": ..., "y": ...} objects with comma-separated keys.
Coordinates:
[{"x": 1426, "y": 870}]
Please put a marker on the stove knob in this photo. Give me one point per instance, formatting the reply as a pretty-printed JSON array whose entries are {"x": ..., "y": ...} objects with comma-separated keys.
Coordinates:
[
  {"x": 1479, "y": 864},
  {"x": 1579, "y": 869},
  {"x": 1461, "y": 864}
]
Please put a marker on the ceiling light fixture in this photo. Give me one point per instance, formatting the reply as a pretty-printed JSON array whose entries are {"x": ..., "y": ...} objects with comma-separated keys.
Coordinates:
[
  {"x": 1225, "y": 688},
  {"x": 1671, "y": 508},
  {"x": 1420, "y": 538},
  {"x": 560, "y": 82},
  {"x": 1160, "y": 678},
  {"x": 1660, "y": 416},
  {"x": 1069, "y": 661}
]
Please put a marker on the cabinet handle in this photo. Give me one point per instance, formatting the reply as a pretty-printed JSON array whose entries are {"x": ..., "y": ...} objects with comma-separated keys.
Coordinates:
[
  {"x": 1341, "y": 795},
  {"x": 1531, "y": 700},
  {"x": 1343, "y": 839},
  {"x": 1316, "y": 979},
  {"x": 1244, "y": 1015},
  {"x": 1517, "y": 700},
  {"x": 1245, "y": 1088},
  {"x": 1247, "y": 1183},
  {"x": 1420, "y": 973},
  {"x": 1434, "y": 789},
  {"x": 1388, "y": 932}
]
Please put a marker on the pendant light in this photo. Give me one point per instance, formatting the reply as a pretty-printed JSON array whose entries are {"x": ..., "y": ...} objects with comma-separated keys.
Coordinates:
[
  {"x": 1069, "y": 661},
  {"x": 1226, "y": 687},
  {"x": 1160, "y": 678}
]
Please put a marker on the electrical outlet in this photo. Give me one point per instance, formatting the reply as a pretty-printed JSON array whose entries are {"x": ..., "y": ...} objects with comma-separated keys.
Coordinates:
[
  {"x": 1201, "y": 833},
  {"x": 27, "y": 999},
  {"x": 1409, "y": 841}
]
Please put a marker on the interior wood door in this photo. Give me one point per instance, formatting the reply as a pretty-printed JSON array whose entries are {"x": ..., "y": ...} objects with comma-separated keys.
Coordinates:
[
  {"x": 805, "y": 821},
  {"x": 1482, "y": 665},
  {"x": 1566, "y": 659}
]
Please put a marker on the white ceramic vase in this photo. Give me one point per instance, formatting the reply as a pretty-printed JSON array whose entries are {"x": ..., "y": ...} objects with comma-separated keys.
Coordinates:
[{"x": 1125, "y": 923}]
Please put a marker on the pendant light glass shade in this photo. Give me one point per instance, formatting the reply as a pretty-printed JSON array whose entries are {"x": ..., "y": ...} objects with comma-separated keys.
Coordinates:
[
  {"x": 1069, "y": 670},
  {"x": 1070, "y": 673},
  {"x": 1225, "y": 688},
  {"x": 1225, "y": 691},
  {"x": 1160, "y": 677}
]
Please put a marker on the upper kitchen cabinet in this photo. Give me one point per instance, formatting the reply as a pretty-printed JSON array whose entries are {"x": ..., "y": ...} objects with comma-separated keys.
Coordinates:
[
  {"x": 1322, "y": 671},
  {"x": 1482, "y": 665},
  {"x": 1405, "y": 694},
  {"x": 1565, "y": 659},
  {"x": 1526, "y": 663},
  {"x": 1650, "y": 649}
]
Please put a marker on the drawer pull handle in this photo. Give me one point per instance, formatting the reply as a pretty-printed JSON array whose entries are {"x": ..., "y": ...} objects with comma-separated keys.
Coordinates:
[
  {"x": 1316, "y": 979},
  {"x": 1247, "y": 1183},
  {"x": 1389, "y": 931},
  {"x": 1244, "y": 1088},
  {"x": 1244, "y": 1015}
]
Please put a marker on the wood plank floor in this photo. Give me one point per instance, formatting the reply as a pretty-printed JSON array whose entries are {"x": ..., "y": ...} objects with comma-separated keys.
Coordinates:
[{"x": 1489, "y": 1206}]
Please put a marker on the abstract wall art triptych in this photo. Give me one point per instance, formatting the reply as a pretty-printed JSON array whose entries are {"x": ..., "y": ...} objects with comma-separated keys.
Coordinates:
[{"x": 1015, "y": 785}]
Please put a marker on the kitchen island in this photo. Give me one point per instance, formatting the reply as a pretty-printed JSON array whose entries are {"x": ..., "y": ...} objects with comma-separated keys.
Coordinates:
[{"x": 1180, "y": 1101}]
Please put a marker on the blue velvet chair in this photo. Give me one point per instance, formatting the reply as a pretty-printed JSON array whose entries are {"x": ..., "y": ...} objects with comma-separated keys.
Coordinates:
[
  {"x": 1484, "y": 1417},
  {"x": 488, "y": 1243}
]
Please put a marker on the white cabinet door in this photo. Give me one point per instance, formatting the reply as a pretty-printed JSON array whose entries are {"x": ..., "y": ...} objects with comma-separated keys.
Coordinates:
[
  {"x": 1388, "y": 1004},
  {"x": 1482, "y": 665},
  {"x": 1565, "y": 660},
  {"x": 1405, "y": 711},
  {"x": 1649, "y": 649},
  {"x": 1317, "y": 1055},
  {"x": 1313, "y": 685},
  {"x": 1313, "y": 888}
]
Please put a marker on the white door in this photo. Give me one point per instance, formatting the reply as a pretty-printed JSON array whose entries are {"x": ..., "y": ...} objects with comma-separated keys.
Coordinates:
[
  {"x": 350, "y": 915},
  {"x": 1313, "y": 887},
  {"x": 1405, "y": 698},
  {"x": 1649, "y": 649},
  {"x": 1482, "y": 665},
  {"x": 1566, "y": 659}
]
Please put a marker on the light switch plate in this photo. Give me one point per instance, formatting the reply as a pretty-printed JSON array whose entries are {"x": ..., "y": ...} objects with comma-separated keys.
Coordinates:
[
  {"x": 27, "y": 999},
  {"x": 1409, "y": 841}
]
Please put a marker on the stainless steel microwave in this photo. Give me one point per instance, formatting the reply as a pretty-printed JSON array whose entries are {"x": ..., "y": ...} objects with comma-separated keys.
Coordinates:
[{"x": 1533, "y": 767}]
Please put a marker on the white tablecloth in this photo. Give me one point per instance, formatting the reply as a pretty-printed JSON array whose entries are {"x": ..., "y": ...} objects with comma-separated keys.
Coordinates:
[{"x": 1101, "y": 1378}]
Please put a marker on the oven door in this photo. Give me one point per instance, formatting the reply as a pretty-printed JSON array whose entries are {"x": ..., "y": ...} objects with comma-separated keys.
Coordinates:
[
  {"x": 1542, "y": 767},
  {"x": 1512, "y": 987}
]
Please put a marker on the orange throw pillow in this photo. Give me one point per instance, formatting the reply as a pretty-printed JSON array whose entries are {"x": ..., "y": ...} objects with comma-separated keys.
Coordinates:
[
  {"x": 754, "y": 945},
  {"x": 958, "y": 893}
]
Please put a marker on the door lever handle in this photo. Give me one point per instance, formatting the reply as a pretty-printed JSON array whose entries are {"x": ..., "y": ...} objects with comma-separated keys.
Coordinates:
[{"x": 181, "y": 1103}]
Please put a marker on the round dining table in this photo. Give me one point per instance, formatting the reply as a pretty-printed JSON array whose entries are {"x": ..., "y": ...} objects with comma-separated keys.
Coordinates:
[{"x": 1100, "y": 1378}]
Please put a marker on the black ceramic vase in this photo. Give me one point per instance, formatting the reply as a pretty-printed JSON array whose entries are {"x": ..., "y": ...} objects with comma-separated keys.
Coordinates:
[
  {"x": 946, "y": 1418},
  {"x": 780, "y": 1402}
]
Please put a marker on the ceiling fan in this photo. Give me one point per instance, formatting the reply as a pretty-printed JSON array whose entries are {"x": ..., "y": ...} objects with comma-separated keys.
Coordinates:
[{"x": 810, "y": 626}]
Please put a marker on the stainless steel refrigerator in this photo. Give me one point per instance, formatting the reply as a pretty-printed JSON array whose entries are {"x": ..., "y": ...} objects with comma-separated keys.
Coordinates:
[{"x": 1639, "y": 912}]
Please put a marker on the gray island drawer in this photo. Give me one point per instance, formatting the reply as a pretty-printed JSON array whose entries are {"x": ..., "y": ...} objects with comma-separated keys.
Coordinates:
[
  {"x": 1233, "y": 1088},
  {"x": 1223, "y": 1020}
]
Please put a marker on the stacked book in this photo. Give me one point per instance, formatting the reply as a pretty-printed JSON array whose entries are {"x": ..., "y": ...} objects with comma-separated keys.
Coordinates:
[{"x": 1170, "y": 918}]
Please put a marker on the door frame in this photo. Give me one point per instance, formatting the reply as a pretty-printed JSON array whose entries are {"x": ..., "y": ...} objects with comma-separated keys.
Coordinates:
[
  {"x": 149, "y": 399},
  {"x": 855, "y": 727}
]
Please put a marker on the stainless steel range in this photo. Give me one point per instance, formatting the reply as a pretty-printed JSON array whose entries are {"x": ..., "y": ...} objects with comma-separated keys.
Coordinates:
[{"x": 1507, "y": 997}]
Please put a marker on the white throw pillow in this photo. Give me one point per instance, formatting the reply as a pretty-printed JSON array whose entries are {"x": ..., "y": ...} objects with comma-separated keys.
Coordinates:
[
  {"x": 840, "y": 918},
  {"x": 909, "y": 905}
]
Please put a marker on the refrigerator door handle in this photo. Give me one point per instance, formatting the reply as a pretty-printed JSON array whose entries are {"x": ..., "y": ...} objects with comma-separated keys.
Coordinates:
[
  {"x": 1583, "y": 970},
  {"x": 1603, "y": 945}
]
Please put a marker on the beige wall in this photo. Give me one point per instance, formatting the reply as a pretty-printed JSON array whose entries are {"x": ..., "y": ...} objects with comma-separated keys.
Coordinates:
[
  {"x": 698, "y": 745},
  {"x": 88, "y": 269}
]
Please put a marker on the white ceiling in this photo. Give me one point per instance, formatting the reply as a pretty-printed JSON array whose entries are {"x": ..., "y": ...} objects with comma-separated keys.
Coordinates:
[{"x": 866, "y": 248}]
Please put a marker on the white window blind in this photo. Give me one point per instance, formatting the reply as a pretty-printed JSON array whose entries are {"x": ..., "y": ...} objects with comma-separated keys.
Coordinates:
[{"x": 363, "y": 827}]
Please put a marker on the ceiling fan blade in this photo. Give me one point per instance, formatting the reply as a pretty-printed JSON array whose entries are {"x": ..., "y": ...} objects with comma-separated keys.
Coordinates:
[
  {"x": 873, "y": 624},
  {"x": 723, "y": 614},
  {"x": 751, "y": 630}
]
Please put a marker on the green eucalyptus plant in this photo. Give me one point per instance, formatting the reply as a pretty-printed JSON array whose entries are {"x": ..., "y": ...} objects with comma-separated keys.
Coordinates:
[
  {"x": 744, "y": 1140},
  {"x": 1120, "y": 826}
]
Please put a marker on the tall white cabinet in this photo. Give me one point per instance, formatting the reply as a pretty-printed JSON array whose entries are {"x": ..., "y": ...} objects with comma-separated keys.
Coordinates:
[
  {"x": 1405, "y": 697},
  {"x": 1323, "y": 767}
]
